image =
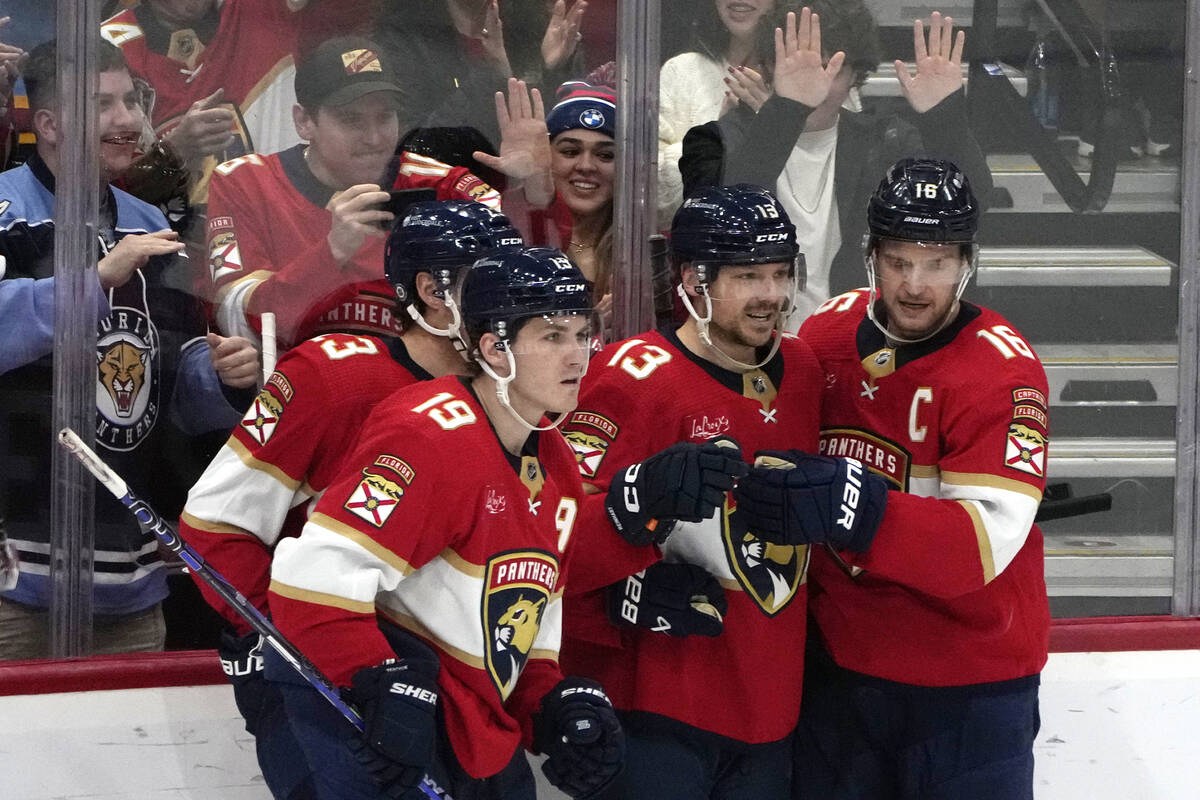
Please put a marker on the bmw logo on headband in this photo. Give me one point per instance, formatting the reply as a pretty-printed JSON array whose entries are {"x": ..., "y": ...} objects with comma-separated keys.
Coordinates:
[{"x": 591, "y": 118}]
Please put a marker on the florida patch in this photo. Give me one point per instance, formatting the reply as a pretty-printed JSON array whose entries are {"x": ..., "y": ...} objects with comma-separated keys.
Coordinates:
[
  {"x": 224, "y": 256},
  {"x": 377, "y": 494},
  {"x": 517, "y": 590},
  {"x": 1025, "y": 450},
  {"x": 589, "y": 451},
  {"x": 262, "y": 417}
]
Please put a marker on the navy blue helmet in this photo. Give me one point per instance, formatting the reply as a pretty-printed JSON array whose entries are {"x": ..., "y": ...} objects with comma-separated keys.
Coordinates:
[
  {"x": 740, "y": 224},
  {"x": 511, "y": 285},
  {"x": 443, "y": 237},
  {"x": 924, "y": 200}
]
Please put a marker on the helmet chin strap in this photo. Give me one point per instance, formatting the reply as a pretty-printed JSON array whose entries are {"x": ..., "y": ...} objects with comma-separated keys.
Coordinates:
[
  {"x": 873, "y": 295},
  {"x": 502, "y": 388},
  {"x": 702, "y": 331},
  {"x": 453, "y": 331}
]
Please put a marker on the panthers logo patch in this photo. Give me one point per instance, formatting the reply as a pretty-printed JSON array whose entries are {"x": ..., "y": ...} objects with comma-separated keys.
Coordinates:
[
  {"x": 127, "y": 379},
  {"x": 770, "y": 574},
  {"x": 517, "y": 589}
]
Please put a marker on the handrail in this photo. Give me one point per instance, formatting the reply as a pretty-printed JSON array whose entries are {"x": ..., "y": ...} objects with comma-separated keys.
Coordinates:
[{"x": 1093, "y": 49}]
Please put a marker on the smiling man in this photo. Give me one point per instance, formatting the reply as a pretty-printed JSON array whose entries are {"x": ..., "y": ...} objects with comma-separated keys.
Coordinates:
[{"x": 300, "y": 233}]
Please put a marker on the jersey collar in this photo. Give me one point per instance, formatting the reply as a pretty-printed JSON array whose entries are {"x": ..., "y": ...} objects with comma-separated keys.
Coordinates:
[
  {"x": 306, "y": 183},
  {"x": 401, "y": 356},
  {"x": 726, "y": 377},
  {"x": 869, "y": 339}
]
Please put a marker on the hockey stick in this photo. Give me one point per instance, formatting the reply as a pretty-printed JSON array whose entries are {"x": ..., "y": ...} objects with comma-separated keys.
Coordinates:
[
  {"x": 149, "y": 521},
  {"x": 270, "y": 352}
]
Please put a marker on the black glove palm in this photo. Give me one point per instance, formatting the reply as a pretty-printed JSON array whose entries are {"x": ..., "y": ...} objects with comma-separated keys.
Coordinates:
[
  {"x": 675, "y": 599},
  {"x": 795, "y": 498},
  {"x": 581, "y": 736},
  {"x": 398, "y": 700},
  {"x": 686, "y": 481}
]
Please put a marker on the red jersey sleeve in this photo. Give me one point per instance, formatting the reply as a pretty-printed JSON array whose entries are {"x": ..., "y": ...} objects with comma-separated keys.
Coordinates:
[
  {"x": 451, "y": 183},
  {"x": 991, "y": 475}
]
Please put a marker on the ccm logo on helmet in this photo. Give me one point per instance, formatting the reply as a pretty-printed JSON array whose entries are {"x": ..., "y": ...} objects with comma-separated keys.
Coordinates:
[
  {"x": 771, "y": 237},
  {"x": 514, "y": 240},
  {"x": 569, "y": 287},
  {"x": 851, "y": 493}
]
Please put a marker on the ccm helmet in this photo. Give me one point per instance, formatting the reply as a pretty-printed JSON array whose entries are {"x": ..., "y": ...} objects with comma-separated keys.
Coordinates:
[
  {"x": 510, "y": 286},
  {"x": 741, "y": 225},
  {"x": 927, "y": 201}
]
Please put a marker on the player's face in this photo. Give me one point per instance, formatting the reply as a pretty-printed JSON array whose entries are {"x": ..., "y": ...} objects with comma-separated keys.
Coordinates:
[
  {"x": 551, "y": 354},
  {"x": 918, "y": 284},
  {"x": 120, "y": 119},
  {"x": 740, "y": 17},
  {"x": 353, "y": 143},
  {"x": 582, "y": 162},
  {"x": 747, "y": 301}
]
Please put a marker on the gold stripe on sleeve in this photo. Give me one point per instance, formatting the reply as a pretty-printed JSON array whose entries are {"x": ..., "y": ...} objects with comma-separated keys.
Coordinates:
[
  {"x": 985, "y": 544},
  {"x": 213, "y": 527},
  {"x": 321, "y": 598},
  {"x": 993, "y": 482},
  {"x": 247, "y": 458}
]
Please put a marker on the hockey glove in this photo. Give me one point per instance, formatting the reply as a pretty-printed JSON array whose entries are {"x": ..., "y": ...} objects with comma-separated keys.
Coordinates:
[
  {"x": 579, "y": 732},
  {"x": 398, "y": 701},
  {"x": 686, "y": 481},
  {"x": 675, "y": 599},
  {"x": 241, "y": 660},
  {"x": 796, "y": 498}
]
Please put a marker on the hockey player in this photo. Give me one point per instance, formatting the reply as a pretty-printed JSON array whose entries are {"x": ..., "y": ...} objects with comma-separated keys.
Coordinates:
[
  {"x": 300, "y": 233},
  {"x": 429, "y": 579},
  {"x": 294, "y": 435},
  {"x": 705, "y": 717},
  {"x": 923, "y": 680}
]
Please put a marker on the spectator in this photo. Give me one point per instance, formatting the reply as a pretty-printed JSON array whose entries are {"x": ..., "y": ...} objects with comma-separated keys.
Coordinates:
[
  {"x": 454, "y": 55},
  {"x": 301, "y": 233},
  {"x": 693, "y": 86},
  {"x": 11, "y": 60},
  {"x": 154, "y": 378},
  {"x": 820, "y": 157},
  {"x": 581, "y": 159},
  {"x": 221, "y": 73}
]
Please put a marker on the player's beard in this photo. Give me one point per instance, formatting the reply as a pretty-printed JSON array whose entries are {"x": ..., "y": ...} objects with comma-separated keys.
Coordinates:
[{"x": 744, "y": 334}]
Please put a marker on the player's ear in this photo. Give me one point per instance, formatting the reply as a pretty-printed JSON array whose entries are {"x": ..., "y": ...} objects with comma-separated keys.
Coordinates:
[
  {"x": 427, "y": 291},
  {"x": 490, "y": 349},
  {"x": 45, "y": 125},
  {"x": 690, "y": 278}
]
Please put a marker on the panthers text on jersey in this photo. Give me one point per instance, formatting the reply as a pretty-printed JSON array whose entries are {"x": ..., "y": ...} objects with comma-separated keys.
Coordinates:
[
  {"x": 432, "y": 526},
  {"x": 287, "y": 448},
  {"x": 952, "y": 590},
  {"x": 268, "y": 248},
  {"x": 639, "y": 397}
]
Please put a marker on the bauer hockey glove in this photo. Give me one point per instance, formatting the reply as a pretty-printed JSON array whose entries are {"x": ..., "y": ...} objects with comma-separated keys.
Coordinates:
[
  {"x": 675, "y": 599},
  {"x": 796, "y": 498},
  {"x": 242, "y": 662},
  {"x": 686, "y": 481},
  {"x": 398, "y": 701},
  {"x": 580, "y": 734}
]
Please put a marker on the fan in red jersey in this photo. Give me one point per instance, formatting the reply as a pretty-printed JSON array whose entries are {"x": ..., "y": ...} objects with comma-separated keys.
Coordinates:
[
  {"x": 429, "y": 578},
  {"x": 300, "y": 233},
  {"x": 260, "y": 487},
  {"x": 933, "y": 627}
]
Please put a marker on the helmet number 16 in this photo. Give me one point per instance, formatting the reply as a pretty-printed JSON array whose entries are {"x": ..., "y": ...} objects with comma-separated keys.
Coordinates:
[{"x": 926, "y": 191}]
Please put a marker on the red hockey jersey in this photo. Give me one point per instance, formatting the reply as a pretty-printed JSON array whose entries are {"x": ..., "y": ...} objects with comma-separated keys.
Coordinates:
[
  {"x": 639, "y": 397},
  {"x": 953, "y": 590},
  {"x": 287, "y": 448},
  {"x": 249, "y": 54},
  {"x": 267, "y": 229},
  {"x": 468, "y": 559}
]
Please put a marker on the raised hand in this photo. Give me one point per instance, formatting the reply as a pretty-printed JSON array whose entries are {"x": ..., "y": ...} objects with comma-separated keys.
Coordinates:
[
  {"x": 12, "y": 58},
  {"x": 939, "y": 65},
  {"x": 800, "y": 72},
  {"x": 491, "y": 36},
  {"x": 235, "y": 360},
  {"x": 562, "y": 34},
  {"x": 205, "y": 129},
  {"x": 131, "y": 254},
  {"x": 744, "y": 85}
]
